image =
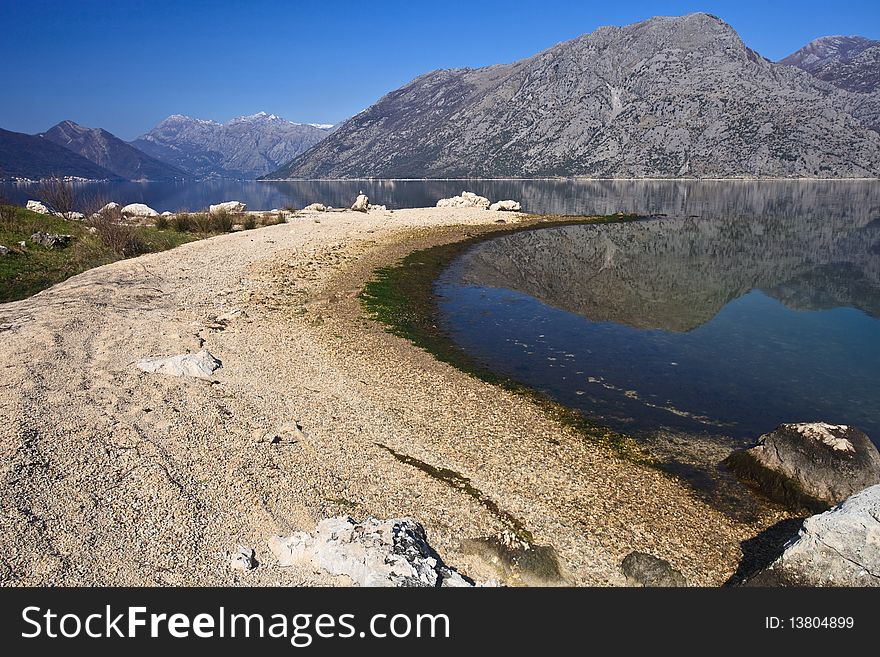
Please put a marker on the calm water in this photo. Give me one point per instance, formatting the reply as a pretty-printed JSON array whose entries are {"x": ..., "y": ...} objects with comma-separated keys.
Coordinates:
[
  {"x": 726, "y": 324},
  {"x": 707, "y": 199}
]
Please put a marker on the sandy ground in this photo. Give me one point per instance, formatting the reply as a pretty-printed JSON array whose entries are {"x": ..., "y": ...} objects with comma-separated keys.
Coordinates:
[{"x": 114, "y": 476}]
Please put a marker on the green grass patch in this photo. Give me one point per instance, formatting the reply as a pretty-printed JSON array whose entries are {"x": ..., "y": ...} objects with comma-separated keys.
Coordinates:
[
  {"x": 26, "y": 271},
  {"x": 401, "y": 297}
]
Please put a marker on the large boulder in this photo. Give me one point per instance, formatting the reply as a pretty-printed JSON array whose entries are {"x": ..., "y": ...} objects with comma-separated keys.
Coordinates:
[
  {"x": 139, "y": 210},
  {"x": 51, "y": 240},
  {"x": 465, "y": 200},
  {"x": 110, "y": 207},
  {"x": 643, "y": 569},
  {"x": 840, "y": 547},
  {"x": 814, "y": 465},
  {"x": 361, "y": 203},
  {"x": 200, "y": 365},
  {"x": 505, "y": 206},
  {"x": 232, "y": 207},
  {"x": 375, "y": 552},
  {"x": 36, "y": 206}
]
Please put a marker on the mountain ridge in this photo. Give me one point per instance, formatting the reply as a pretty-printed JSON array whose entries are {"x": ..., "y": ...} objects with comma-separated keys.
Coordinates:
[
  {"x": 668, "y": 97},
  {"x": 243, "y": 147},
  {"x": 32, "y": 157},
  {"x": 108, "y": 151}
]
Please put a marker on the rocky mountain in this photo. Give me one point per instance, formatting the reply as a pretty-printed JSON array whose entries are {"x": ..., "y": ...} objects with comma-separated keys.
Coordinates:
[
  {"x": 667, "y": 97},
  {"x": 848, "y": 62},
  {"x": 245, "y": 147},
  {"x": 34, "y": 157},
  {"x": 110, "y": 152}
]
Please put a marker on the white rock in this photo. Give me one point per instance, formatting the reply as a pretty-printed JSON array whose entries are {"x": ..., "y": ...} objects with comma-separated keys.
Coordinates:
[
  {"x": 361, "y": 203},
  {"x": 139, "y": 210},
  {"x": 232, "y": 207},
  {"x": 377, "y": 207},
  {"x": 375, "y": 552},
  {"x": 316, "y": 207},
  {"x": 36, "y": 206},
  {"x": 505, "y": 206},
  {"x": 167, "y": 214},
  {"x": 840, "y": 547},
  {"x": 74, "y": 216},
  {"x": 464, "y": 200},
  {"x": 200, "y": 365},
  {"x": 3, "y": 250},
  {"x": 109, "y": 207}
]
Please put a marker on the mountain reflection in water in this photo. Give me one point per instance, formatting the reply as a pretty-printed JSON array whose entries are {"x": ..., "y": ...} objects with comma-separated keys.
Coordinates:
[{"x": 725, "y": 326}]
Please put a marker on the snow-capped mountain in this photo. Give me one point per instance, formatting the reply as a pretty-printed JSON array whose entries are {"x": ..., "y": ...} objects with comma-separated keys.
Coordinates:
[{"x": 244, "y": 147}]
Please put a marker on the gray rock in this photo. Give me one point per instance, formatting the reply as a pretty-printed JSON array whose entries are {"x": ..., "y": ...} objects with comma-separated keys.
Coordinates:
[
  {"x": 816, "y": 464},
  {"x": 840, "y": 547},
  {"x": 200, "y": 365},
  {"x": 243, "y": 559},
  {"x": 51, "y": 240},
  {"x": 642, "y": 569},
  {"x": 361, "y": 203},
  {"x": 3, "y": 250},
  {"x": 392, "y": 552},
  {"x": 465, "y": 200}
]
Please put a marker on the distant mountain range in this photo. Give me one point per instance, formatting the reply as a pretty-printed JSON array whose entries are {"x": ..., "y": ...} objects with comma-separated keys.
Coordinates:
[
  {"x": 668, "y": 97},
  {"x": 34, "y": 157},
  {"x": 178, "y": 148},
  {"x": 246, "y": 147},
  {"x": 110, "y": 152},
  {"x": 847, "y": 62}
]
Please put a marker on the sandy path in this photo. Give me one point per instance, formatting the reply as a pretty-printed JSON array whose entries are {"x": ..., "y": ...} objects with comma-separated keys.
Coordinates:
[{"x": 113, "y": 476}]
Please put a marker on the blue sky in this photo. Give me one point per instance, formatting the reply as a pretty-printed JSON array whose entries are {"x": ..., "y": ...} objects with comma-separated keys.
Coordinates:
[{"x": 126, "y": 65}]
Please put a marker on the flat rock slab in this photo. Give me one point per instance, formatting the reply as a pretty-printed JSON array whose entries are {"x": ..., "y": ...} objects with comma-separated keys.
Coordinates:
[
  {"x": 392, "y": 552},
  {"x": 200, "y": 365},
  {"x": 840, "y": 547}
]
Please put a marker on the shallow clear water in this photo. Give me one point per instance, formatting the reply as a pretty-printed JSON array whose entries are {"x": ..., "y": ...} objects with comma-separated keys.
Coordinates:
[{"x": 726, "y": 326}]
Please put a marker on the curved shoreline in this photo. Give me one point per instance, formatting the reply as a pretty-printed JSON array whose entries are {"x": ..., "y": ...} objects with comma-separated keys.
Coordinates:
[{"x": 113, "y": 476}]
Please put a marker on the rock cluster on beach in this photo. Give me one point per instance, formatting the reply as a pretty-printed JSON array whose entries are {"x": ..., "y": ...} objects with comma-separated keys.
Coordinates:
[{"x": 375, "y": 552}]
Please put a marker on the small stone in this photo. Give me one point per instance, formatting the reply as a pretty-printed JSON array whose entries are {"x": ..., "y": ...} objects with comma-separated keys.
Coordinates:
[
  {"x": 643, "y": 569},
  {"x": 3, "y": 250},
  {"x": 243, "y": 559}
]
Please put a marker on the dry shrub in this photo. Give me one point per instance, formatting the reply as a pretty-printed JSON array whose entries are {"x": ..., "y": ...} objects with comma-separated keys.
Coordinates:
[
  {"x": 182, "y": 222},
  {"x": 122, "y": 239},
  {"x": 58, "y": 195},
  {"x": 221, "y": 222},
  {"x": 161, "y": 222},
  {"x": 249, "y": 222},
  {"x": 202, "y": 222}
]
